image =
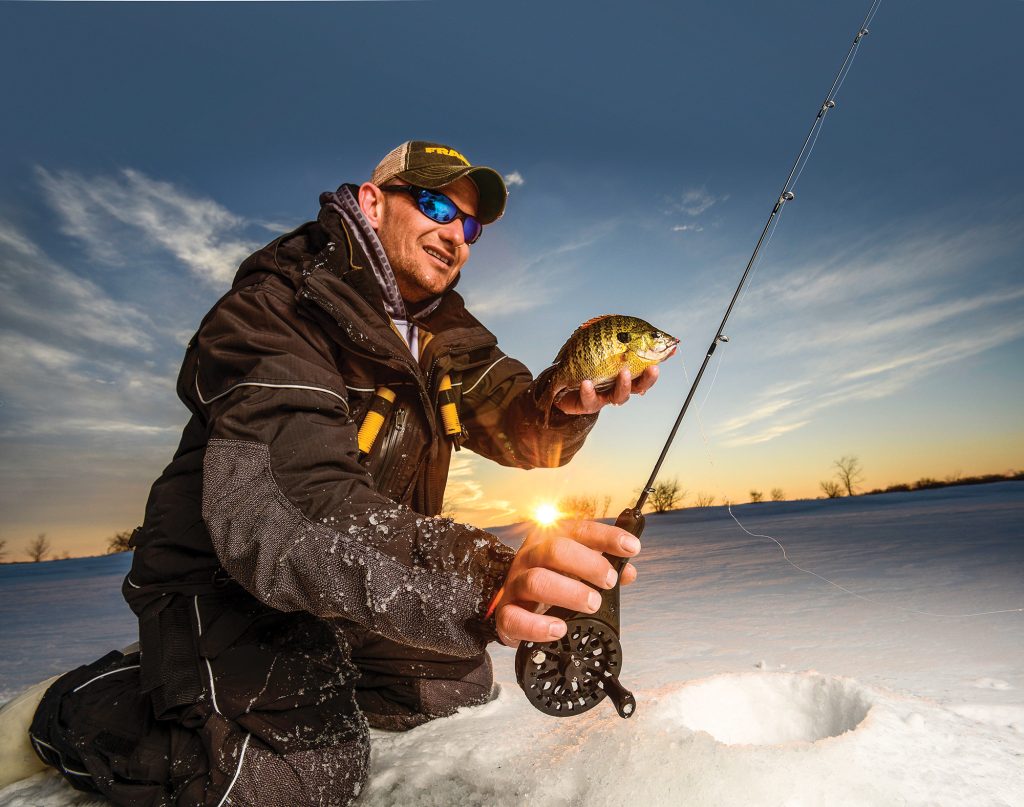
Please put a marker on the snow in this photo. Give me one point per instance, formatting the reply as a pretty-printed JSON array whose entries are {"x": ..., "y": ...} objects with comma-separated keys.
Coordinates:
[{"x": 756, "y": 683}]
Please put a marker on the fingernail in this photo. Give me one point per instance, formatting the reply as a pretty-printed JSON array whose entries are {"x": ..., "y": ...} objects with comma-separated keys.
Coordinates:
[
  {"x": 630, "y": 544},
  {"x": 594, "y": 600},
  {"x": 611, "y": 578},
  {"x": 556, "y": 630}
]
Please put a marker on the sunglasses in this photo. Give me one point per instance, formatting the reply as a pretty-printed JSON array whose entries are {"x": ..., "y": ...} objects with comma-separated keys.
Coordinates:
[{"x": 438, "y": 207}]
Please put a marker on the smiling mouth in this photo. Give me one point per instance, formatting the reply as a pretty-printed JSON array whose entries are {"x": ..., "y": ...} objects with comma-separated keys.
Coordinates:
[{"x": 433, "y": 253}]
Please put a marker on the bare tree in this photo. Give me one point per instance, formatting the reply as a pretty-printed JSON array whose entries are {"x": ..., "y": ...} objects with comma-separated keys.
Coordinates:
[
  {"x": 756, "y": 496},
  {"x": 778, "y": 495},
  {"x": 667, "y": 495},
  {"x": 849, "y": 473},
  {"x": 119, "y": 542},
  {"x": 583, "y": 508},
  {"x": 705, "y": 499},
  {"x": 606, "y": 502},
  {"x": 3, "y": 550},
  {"x": 831, "y": 489},
  {"x": 39, "y": 548}
]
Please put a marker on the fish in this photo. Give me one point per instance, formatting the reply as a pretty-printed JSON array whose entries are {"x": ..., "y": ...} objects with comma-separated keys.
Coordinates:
[{"x": 599, "y": 349}]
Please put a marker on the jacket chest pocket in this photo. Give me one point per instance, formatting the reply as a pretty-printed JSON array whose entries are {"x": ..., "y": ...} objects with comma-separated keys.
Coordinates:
[{"x": 398, "y": 451}]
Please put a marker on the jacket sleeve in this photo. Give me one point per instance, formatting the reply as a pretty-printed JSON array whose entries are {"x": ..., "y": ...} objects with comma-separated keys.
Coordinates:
[
  {"x": 505, "y": 422},
  {"x": 292, "y": 513}
]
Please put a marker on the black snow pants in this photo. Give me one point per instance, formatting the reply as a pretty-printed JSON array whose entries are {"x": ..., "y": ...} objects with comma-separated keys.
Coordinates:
[{"x": 233, "y": 703}]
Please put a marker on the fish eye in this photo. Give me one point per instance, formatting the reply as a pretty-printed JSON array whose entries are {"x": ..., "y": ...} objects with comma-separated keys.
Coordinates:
[
  {"x": 623, "y": 336},
  {"x": 656, "y": 334}
]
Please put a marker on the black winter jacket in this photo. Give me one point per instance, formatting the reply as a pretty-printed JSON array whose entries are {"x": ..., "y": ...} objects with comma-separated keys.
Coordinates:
[{"x": 267, "y": 489}]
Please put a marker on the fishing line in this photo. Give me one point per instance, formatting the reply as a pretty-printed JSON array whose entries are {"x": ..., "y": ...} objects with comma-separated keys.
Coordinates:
[
  {"x": 700, "y": 421},
  {"x": 760, "y": 257},
  {"x": 785, "y": 553},
  {"x": 785, "y": 556}
]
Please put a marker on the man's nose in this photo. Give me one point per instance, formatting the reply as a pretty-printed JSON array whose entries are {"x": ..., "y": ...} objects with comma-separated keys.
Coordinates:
[{"x": 453, "y": 232}]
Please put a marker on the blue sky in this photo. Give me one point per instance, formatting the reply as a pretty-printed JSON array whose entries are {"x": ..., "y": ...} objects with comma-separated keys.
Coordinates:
[{"x": 147, "y": 148}]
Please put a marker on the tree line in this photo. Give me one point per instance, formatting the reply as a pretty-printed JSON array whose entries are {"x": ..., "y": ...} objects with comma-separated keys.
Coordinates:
[
  {"x": 40, "y": 548},
  {"x": 846, "y": 480}
]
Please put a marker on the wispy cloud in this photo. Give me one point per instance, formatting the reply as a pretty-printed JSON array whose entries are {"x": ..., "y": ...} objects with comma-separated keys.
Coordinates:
[
  {"x": 535, "y": 281},
  {"x": 53, "y": 391},
  {"x": 202, "y": 234},
  {"x": 514, "y": 179},
  {"x": 865, "y": 324},
  {"x": 465, "y": 494},
  {"x": 694, "y": 201},
  {"x": 39, "y": 296},
  {"x": 75, "y": 361}
]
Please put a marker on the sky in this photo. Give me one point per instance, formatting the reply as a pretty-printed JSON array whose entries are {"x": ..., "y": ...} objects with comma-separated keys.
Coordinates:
[{"x": 148, "y": 148}]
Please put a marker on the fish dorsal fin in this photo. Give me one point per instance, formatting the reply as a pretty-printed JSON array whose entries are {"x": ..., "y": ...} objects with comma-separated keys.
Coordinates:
[
  {"x": 593, "y": 320},
  {"x": 584, "y": 326}
]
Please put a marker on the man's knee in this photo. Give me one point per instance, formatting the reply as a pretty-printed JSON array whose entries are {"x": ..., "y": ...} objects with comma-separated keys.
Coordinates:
[
  {"x": 403, "y": 701},
  {"x": 440, "y": 697},
  {"x": 318, "y": 777}
]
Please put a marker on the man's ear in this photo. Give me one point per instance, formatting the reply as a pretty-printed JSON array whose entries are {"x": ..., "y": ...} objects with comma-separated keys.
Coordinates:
[{"x": 371, "y": 202}]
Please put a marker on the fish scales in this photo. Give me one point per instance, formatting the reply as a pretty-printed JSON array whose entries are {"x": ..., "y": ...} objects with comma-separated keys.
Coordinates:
[{"x": 600, "y": 348}]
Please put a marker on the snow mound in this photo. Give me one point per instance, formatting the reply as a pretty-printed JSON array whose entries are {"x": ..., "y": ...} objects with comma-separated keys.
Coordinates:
[{"x": 771, "y": 708}]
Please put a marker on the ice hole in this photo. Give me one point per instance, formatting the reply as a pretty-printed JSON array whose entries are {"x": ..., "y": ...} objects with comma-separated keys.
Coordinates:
[{"x": 759, "y": 709}]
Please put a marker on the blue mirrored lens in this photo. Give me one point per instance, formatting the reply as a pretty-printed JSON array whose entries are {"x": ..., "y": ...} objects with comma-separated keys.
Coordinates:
[
  {"x": 437, "y": 207},
  {"x": 471, "y": 229}
]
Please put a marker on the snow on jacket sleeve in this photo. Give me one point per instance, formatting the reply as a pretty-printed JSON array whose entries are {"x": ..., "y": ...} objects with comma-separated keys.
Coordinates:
[{"x": 293, "y": 515}]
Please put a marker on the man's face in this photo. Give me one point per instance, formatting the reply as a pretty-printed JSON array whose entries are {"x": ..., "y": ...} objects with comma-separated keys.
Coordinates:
[{"x": 424, "y": 255}]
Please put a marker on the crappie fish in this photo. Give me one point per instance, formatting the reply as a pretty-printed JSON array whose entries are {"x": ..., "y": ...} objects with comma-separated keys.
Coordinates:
[{"x": 600, "y": 348}]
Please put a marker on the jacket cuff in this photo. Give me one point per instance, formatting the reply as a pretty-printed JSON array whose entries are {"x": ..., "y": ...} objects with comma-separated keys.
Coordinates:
[{"x": 497, "y": 558}]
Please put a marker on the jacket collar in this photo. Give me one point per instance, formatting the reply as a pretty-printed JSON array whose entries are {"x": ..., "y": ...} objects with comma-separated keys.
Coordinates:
[{"x": 343, "y": 202}]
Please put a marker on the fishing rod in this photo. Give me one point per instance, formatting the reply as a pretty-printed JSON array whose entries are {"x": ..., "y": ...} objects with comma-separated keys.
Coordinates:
[{"x": 573, "y": 674}]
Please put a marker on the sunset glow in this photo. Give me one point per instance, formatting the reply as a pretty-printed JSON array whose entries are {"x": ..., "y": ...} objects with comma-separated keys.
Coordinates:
[{"x": 546, "y": 514}]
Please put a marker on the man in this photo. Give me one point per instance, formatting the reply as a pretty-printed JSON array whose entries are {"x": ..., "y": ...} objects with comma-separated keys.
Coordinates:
[{"x": 292, "y": 581}]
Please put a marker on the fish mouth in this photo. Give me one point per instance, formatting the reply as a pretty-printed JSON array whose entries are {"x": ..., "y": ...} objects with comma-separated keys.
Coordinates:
[{"x": 662, "y": 350}]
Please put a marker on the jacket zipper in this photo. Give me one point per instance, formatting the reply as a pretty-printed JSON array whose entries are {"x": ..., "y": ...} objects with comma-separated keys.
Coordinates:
[{"x": 389, "y": 451}]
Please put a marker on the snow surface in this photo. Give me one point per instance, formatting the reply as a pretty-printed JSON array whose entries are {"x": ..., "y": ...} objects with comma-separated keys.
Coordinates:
[{"x": 756, "y": 683}]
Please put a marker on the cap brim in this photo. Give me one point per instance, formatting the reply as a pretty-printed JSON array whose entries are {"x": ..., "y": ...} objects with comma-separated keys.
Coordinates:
[{"x": 489, "y": 184}]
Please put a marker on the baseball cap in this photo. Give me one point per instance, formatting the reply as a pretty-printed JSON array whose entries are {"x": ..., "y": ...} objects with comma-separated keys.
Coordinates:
[{"x": 434, "y": 165}]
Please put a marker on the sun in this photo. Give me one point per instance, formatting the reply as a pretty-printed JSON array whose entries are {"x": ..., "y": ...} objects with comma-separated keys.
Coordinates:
[{"x": 546, "y": 514}]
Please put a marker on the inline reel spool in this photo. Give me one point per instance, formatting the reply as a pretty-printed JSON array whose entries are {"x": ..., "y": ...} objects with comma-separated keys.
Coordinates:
[{"x": 571, "y": 675}]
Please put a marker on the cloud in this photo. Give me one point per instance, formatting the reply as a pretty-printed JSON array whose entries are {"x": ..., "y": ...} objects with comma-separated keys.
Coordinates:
[
  {"x": 865, "y": 324},
  {"x": 14, "y": 241},
  {"x": 533, "y": 282},
  {"x": 200, "y": 233},
  {"x": 514, "y": 179},
  {"x": 466, "y": 496},
  {"x": 687, "y": 228},
  {"x": 74, "y": 361},
  {"x": 695, "y": 201},
  {"x": 40, "y": 296},
  {"x": 52, "y": 391}
]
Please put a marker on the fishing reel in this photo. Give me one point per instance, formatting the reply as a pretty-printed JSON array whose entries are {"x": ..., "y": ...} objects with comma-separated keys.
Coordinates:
[{"x": 571, "y": 675}]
